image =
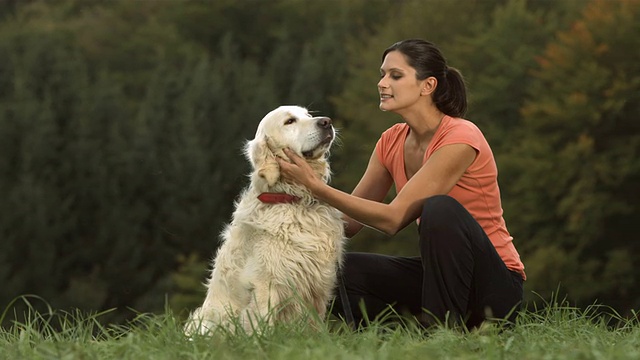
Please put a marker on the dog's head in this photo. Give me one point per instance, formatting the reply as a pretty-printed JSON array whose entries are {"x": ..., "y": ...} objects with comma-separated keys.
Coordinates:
[{"x": 290, "y": 127}]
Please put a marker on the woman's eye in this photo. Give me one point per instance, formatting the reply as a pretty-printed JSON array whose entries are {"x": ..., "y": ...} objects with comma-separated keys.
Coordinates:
[
  {"x": 290, "y": 121},
  {"x": 396, "y": 77}
]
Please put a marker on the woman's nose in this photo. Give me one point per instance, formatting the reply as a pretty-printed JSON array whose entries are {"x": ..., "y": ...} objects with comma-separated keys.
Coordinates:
[{"x": 382, "y": 84}]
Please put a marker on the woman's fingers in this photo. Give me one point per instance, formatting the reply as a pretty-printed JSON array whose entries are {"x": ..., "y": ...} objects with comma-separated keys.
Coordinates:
[
  {"x": 282, "y": 162},
  {"x": 285, "y": 166},
  {"x": 293, "y": 156}
]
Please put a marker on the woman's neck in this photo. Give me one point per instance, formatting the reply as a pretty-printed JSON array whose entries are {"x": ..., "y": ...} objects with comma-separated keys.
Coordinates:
[{"x": 423, "y": 124}]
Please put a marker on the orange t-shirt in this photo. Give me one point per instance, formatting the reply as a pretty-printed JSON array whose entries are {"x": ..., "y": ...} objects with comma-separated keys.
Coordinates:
[{"x": 477, "y": 190}]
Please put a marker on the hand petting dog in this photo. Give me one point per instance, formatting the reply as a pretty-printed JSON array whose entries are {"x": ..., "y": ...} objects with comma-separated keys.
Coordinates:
[{"x": 298, "y": 170}]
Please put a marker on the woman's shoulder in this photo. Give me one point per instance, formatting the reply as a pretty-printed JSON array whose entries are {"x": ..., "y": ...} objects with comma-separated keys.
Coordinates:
[
  {"x": 395, "y": 130},
  {"x": 393, "y": 134},
  {"x": 391, "y": 141},
  {"x": 461, "y": 124},
  {"x": 458, "y": 130},
  {"x": 458, "y": 127}
]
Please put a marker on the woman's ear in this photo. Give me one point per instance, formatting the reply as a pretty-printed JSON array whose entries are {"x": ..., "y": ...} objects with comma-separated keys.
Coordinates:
[{"x": 428, "y": 86}]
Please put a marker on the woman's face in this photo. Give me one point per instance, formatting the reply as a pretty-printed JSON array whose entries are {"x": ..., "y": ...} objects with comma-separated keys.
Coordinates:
[{"x": 398, "y": 86}]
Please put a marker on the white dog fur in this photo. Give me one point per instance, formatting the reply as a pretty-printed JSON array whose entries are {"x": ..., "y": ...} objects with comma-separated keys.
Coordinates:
[{"x": 276, "y": 261}]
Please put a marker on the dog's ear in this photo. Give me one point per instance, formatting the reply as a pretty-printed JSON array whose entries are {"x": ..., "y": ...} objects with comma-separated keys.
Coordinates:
[{"x": 263, "y": 160}]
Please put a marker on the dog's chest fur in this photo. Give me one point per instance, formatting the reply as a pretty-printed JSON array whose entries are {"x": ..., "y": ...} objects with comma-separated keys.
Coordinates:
[{"x": 293, "y": 223}]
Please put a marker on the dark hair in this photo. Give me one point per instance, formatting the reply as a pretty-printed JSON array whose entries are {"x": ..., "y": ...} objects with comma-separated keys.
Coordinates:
[{"x": 450, "y": 96}]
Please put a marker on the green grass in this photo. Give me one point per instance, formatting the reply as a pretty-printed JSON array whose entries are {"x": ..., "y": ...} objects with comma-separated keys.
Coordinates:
[{"x": 555, "y": 331}]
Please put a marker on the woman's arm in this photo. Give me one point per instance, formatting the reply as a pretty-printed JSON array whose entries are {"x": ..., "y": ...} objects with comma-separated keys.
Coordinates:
[
  {"x": 436, "y": 176},
  {"x": 374, "y": 185}
]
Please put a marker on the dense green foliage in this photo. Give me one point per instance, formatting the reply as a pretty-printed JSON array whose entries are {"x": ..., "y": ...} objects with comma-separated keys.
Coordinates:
[
  {"x": 584, "y": 132},
  {"x": 122, "y": 125}
]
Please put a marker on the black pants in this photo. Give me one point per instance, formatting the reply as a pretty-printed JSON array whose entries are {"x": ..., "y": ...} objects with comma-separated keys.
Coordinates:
[{"x": 459, "y": 277}]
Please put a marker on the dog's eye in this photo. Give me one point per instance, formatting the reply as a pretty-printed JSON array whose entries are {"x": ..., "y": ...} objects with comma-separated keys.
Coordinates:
[{"x": 290, "y": 121}]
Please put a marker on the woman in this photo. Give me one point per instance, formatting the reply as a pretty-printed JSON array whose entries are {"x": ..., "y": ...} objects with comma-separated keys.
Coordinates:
[{"x": 446, "y": 179}]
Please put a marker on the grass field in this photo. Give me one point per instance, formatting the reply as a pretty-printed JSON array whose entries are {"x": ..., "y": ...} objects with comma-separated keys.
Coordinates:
[{"x": 555, "y": 331}]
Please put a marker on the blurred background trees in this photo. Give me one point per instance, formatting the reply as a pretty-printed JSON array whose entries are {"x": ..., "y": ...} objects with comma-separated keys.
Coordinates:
[{"x": 122, "y": 125}]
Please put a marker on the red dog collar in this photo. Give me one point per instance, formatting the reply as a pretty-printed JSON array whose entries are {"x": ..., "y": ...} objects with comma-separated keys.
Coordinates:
[{"x": 277, "y": 198}]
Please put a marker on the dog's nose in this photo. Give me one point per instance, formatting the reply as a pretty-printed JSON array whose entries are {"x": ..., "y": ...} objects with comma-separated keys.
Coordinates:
[{"x": 324, "y": 122}]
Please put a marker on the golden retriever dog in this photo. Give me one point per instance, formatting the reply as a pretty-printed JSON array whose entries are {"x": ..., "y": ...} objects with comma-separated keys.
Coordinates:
[{"x": 281, "y": 251}]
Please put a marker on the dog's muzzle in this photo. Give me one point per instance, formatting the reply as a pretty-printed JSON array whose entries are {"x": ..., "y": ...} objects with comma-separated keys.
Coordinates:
[{"x": 327, "y": 134}]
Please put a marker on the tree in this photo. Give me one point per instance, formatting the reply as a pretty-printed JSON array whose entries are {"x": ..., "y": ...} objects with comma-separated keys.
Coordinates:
[
  {"x": 497, "y": 63},
  {"x": 122, "y": 128},
  {"x": 577, "y": 159},
  {"x": 100, "y": 165}
]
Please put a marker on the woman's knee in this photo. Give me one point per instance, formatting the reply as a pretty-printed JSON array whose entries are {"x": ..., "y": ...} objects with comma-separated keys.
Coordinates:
[
  {"x": 439, "y": 210},
  {"x": 443, "y": 225},
  {"x": 439, "y": 205}
]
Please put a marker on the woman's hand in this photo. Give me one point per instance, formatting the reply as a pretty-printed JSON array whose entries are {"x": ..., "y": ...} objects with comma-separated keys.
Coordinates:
[{"x": 297, "y": 170}]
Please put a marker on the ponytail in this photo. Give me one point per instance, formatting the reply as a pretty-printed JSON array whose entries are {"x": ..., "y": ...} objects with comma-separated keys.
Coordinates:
[{"x": 450, "y": 96}]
